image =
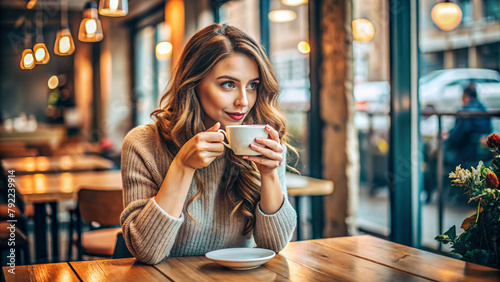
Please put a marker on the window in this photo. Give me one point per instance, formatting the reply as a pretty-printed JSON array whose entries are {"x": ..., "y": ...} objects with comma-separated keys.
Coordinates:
[{"x": 151, "y": 72}]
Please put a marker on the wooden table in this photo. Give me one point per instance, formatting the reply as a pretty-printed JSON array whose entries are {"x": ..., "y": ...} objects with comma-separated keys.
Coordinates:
[
  {"x": 43, "y": 189},
  {"x": 358, "y": 258},
  {"x": 31, "y": 165}
]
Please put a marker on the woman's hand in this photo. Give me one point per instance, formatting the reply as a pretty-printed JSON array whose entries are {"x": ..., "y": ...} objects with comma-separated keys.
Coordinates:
[
  {"x": 202, "y": 149},
  {"x": 271, "y": 153}
]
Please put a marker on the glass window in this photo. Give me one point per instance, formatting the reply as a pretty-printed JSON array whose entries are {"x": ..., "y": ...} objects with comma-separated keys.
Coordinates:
[
  {"x": 467, "y": 12},
  {"x": 144, "y": 75},
  {"x": 243, "y": 14},
  {"x": 491, "y": 10},
  {"x": 292, "y": 68},
  {"x": 372, "y": 121},
  {"x": 449, "y": 63},
  {"x": 152, "y": 70}
]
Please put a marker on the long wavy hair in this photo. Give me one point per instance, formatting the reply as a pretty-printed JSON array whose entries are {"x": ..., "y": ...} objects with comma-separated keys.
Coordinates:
[{"x": 180, "y": 116}]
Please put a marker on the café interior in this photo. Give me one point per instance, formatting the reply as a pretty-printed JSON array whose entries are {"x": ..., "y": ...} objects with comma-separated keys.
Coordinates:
[{"x": 372, "y": 91}]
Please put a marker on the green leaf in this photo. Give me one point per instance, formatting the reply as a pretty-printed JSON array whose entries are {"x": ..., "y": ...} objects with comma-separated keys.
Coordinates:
[
  {"x": 451, "y": 233},
  {"x": 445, "y": 239}
]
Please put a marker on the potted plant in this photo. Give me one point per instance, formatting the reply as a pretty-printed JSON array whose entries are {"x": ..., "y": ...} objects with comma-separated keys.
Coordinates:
[{"x": 480, "y": 241}]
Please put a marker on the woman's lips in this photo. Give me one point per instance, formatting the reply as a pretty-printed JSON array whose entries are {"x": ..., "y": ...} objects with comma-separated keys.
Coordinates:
[{"x": 236, "y": 116}]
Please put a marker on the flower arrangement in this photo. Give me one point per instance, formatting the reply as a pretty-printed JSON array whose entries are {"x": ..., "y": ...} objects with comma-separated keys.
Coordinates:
[{"x": 480, "y": 241}]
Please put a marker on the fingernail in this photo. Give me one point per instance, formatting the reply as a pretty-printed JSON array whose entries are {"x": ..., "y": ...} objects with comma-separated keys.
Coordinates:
[
  {"x": 252, "y": 146},
  {"x": 258, "y": 139}
]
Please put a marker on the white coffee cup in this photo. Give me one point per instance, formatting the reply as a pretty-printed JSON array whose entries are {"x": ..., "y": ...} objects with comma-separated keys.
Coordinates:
[{"x": 241, "y": 136}]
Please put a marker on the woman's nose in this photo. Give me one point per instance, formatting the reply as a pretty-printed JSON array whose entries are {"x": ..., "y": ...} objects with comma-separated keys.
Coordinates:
[{"x": 242, "y": 99}]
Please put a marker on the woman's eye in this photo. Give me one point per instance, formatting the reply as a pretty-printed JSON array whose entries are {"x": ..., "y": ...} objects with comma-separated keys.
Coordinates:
[
  {"x": 253, "y": 85},
  {"x": 228, "y": 84}
]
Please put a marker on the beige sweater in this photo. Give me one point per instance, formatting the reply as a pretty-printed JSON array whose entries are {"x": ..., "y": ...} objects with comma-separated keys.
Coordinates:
[{"x": 152, "y": 235}]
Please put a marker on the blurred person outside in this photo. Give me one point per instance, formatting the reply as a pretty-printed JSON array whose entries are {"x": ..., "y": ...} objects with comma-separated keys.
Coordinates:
[{"x": 463, "y": 142}]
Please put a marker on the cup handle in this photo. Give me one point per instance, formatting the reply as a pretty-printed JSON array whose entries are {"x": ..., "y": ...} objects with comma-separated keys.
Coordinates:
[{"x": 225, "y": 135}]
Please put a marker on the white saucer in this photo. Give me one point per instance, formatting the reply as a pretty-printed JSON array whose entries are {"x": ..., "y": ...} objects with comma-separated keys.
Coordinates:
[{"x": 241, "y": 258}]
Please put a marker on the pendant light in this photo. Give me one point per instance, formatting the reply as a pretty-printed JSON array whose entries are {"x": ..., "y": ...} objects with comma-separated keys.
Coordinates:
[
  {"x": 304, "y": 47},
  {"x": 282, "y": 16},
  {"x": 294, "y": 2},
  {"x": 362, "y": 30},
  {"x": 31, "y": 4},
  {"x": 64, "y": 44},
  {"x": 42, "y": 55},
  {"x": 113, "y": 8},
  {"x": 90, "y": 26},
  {"x": 446, "y": 15},
  {"x": 27, "y": 58}
]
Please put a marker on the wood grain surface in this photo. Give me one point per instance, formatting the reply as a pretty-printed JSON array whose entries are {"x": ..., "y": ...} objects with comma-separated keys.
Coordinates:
[
  {"x": 357, "y": 258},
  {"x": 411, "y": 260}
]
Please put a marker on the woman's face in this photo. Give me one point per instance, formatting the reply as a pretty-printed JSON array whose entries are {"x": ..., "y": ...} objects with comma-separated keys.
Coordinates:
[{"x": 229, "y": 91}]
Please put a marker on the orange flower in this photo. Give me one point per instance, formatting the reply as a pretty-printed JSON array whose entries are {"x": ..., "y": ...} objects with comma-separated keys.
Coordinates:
[
  {"x": 493, "y": 141},
  {"x": 491, "y": 180}
]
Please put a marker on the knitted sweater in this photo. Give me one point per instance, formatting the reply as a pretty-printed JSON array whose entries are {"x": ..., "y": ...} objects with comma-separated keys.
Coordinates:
[{"x": 151, "y": 234}]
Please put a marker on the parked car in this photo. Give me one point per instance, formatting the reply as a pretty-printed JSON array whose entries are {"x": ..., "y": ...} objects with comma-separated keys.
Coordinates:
[{"x": 442, "y": 89}]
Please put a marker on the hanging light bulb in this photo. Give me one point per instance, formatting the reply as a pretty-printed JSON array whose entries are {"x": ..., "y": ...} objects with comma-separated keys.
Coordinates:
[
  {"x": 27, "y": 60},
  {"x": 113, "y": 8},
  {"x": 53, "y": 82},
  {"x": 163, "y": 50},
  {"x": 90, "y": 26},
  {"x": 304, "y": 47},
  {"x": 362, "y": 30},
  {"x": 64, "y": 44},
  {"x": 282, "y": 16},
  {"x": 31, "y": 4},
  {"x": 42, "y": 55},
  {"x": 446, "y": 15},
  {"x": 294, "y": 2}
]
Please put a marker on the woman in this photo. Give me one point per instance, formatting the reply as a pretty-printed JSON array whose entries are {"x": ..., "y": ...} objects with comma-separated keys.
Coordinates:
[{"x": 178, "y": 167}]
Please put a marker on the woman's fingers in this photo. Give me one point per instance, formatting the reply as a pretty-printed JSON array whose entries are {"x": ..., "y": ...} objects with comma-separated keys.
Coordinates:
[
  {"x": 214, "y": 128},
  {"x": 271, "y": 144},
  {"x": 263, "y": 161},
  {"x": 214, "y": 147},
  {"x": 267, "y": 152},
  {"x": 273, "y": 133}
]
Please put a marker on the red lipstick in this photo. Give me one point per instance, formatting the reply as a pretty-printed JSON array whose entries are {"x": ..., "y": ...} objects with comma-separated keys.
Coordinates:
[{"x": 236, "y": 116}]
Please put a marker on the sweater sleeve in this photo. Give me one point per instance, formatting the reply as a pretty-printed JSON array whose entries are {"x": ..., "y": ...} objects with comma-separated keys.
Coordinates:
[
  {"x": 274, "y": 231},
  {"x": 149, "y": 232}
]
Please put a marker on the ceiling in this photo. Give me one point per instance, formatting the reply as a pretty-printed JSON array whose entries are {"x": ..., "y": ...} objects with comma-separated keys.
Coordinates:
[
  {"x": 13, "y": 12},
  {"x": 73, "y": 5}
]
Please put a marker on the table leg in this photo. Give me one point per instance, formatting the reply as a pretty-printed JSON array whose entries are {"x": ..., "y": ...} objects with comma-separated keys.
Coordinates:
[
  {"x": 55, "y": 232},
  {"x": 297, "y": 208},
  {"x": 40, "y": 236},
  {"x": 318, "y": 216}
]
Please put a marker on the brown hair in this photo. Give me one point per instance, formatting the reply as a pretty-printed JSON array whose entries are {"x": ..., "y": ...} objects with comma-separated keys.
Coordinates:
[{"x": 180, "y": 115}]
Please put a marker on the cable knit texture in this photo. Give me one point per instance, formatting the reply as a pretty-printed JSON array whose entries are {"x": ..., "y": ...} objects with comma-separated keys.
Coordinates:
[{"x": 151, "y": 234}]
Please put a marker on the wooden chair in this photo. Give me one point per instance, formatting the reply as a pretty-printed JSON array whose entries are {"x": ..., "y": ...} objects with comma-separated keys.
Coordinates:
[
  {"x": 299, "y": 186},
  {"x": 101, "y": 206}
]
